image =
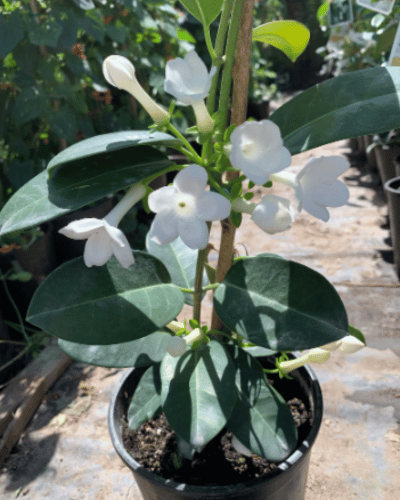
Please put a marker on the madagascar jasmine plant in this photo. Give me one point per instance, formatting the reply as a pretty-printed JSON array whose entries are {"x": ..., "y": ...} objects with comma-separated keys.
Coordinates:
[{"x": 118, "y": 307}]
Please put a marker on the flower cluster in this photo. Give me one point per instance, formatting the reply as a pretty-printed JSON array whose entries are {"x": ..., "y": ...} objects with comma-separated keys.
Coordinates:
[{"x": 183, "y": 208}]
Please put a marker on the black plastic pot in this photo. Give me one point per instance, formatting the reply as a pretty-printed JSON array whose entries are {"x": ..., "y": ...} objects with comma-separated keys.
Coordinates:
[
  {"x": 286, "y": 482},
  {"x": 385, "y": 158},
  {"x": 393, "y": 189}
]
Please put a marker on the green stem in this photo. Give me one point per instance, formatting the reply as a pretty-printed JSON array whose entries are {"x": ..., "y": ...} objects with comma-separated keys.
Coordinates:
[
  {"x": 230, "y": 60},
  {"x": 177, "y": 134},
  {"x": 215, "y": 185},
  {"x": 20, "y": 320},
  {"x": 206, "y": 31},
  {"x": 12, "y": 342},
  {"x": 219, "y": 49},
  {"x": 198, "y": 284},
  {"x": 204, "y": 289}
]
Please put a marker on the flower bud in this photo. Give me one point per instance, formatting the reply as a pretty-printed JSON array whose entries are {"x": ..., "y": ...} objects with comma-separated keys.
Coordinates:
[
  {"x": 318, "y": 355},
  {"x": 120, "y": 72},
  {"x": 176, "y": 346},
  {"x": 350, "y": 344}
]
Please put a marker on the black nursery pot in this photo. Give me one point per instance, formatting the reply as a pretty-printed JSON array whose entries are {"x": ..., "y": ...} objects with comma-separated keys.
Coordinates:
[
  {"x": 393, "y": 189},
  {"x": 286, "y": 482}
]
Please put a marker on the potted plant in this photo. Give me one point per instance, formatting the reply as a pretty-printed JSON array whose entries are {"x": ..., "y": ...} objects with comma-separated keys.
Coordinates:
[
  {"x": 387, "y": 149},
  {"x": 115, "y": 307},
  {"x": 392, "y": 187}
]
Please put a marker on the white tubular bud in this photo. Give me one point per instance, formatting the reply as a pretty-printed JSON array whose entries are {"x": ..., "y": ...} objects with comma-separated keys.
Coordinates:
[
  {"x": 332, "y": 346},
  {"x": 176, "y": 346},
  {"x": 204, "y": 121},
  {"x": 318, "y": 355},
  {"x": 132, "y": 196},
  {"x": 120, "y": 72},
  {"x": 350, "y": 344},
  {"x": 293, "y": 364},
  {"x": 242, "y": 205},
  {"x": 196, "y": 334}
]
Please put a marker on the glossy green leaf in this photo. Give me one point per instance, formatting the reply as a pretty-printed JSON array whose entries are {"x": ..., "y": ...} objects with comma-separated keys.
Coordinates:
[
  {"x": 46, "y": 34},
  {"x": 106, "y": 305},
  {"x": 146, "y": 400},
  {"x": 351, "y": 105},
  {"x": 210, "y": 8},
  {"x": 280, "y": 304},
  {"x": 260, "y": 420},
  {"x": 141, "y": 352},
  {"x": 87, "y": 180},
  {"x": 102, "y": 146},
  {"x": 198, "y": 392},
  {"x": 180, "y": 261},
  {"x": 358, "y": 334},
  {"x": 291, "y": 37},
  {"x": 63, "y": 122},
  {"x": 12, "y": 32}
]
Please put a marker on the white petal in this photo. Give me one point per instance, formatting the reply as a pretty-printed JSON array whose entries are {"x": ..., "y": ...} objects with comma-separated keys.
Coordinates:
[
  {"x": 350, "y": 344},
  {"x": 118, "y": 71},
  {"x": 162, "y": 199},
  {"x": 164, "y": 228},
  {"x": 201, "y": 81},
  {"x": 192, "y": 180},
  {"x": 98, "y": 249},
  {"x": 123, "y": 253},
  {"x": 212, "y": 206},
  {"x": 82, "y": 229},
  {"x": 273, "y": 214},
  {"x": 193, "y": 232},
  {"x": 315, "y": 210},
  {"x": 330, "y": 195}
]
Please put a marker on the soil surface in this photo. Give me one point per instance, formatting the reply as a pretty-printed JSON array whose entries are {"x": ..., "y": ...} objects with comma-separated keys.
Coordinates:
[{"x": 66, "y": 453}]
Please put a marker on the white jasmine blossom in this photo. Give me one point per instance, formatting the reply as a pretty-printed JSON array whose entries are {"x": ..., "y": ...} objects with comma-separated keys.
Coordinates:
[
  {"x": 316, "y": 185},
  {"x": 258, "y": 150},
  {"x": 120, "y": 72},
  {"x": 104, "y": 239},
  {"x": 189, "y": 81},
  {"x": 183, "y": 208},
  {"x": 273, "y": 214}
]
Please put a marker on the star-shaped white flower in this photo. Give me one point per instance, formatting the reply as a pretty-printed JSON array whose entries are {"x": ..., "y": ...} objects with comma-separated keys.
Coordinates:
[
  {"x": 189, "y": 81},
  {"x": 316, "y": 185},
  {"x": 258, "y": 150},
  {"x": 183, "y": 208},
  {"x": 103, "y": 237},
  {"x": 103, "y": 240}
]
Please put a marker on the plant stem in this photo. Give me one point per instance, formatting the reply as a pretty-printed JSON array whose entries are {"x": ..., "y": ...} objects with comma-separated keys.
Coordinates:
[
  {"x": 219, "y": 50},
  {"x": 177, "y": 134},
  {"x": 20, "y": 320},
  {"x": 19, "y": 355},
  {"x": 198, "y": 284},
  {"x": 240, "y": 90},
  {"x": 234, "y": 29}
]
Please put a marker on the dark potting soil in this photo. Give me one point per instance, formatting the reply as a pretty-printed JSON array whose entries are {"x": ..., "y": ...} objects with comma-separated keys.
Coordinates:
[{"x": 154, "y": 445}]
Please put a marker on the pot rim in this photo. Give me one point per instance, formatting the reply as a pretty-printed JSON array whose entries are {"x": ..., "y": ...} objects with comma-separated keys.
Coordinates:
[
  {"x": 388, "y": 185},
  {"x": 316, "y": 401}
]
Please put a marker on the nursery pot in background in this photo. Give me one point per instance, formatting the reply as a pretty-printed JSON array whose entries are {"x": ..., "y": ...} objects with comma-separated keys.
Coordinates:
[
  {"x": 286, "y": 482},
  {"x": 393, "y": 189},
  {"x": 385, "y": 158}
]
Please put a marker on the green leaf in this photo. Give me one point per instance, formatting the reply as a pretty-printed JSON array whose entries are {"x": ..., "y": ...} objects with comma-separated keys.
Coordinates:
[
  {"x": 106, "y": 305},
  {"x": 322, "y": 11},
  {"x": 355, "y": 332},
  {"x": 118, "y": 33},
  {"x": 291, "y": 37},
  {"x": 260, "y": 420},
  {"x": 106, "y": 144},
  {"x": 280, "y": 304},
  {"x": 146, "y": 400},
  {"x": 180, "y": 261},
  {"x": 210, "y": 8},
  {"x": 236, "y": 218},
  {"x": 46, "y": 33},
  {"x": 20, "y": 171},
  {"x": 198, "y": 392},
  {"x": 364, "y": 102},
  {"x": 29, "y": 104},
  {"x": 141, "y": 352},
  {"x": 93, "y": 178},
  {"x": 12, "y": 32}
]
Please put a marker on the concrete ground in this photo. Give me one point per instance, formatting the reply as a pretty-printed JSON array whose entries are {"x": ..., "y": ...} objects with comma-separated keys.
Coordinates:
[{"x": 66, "y": 453}]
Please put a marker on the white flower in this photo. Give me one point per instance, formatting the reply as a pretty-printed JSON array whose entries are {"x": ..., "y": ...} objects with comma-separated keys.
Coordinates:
[
  {"x": 316, "y": 185},
  {"x": 257, "y": 150},
  {"x": 273, "y": 214},
  {"x": 120, "y": 72},
  {"x": 189, "y": 81},
  {"x": 316, "y": 355},
  {"x": 104, "y": 239},
  {"x": 183, "y": 208}
]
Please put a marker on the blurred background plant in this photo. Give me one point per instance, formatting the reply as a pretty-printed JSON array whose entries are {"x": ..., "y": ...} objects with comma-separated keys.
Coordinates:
[{"x": 365, "y": 43}]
